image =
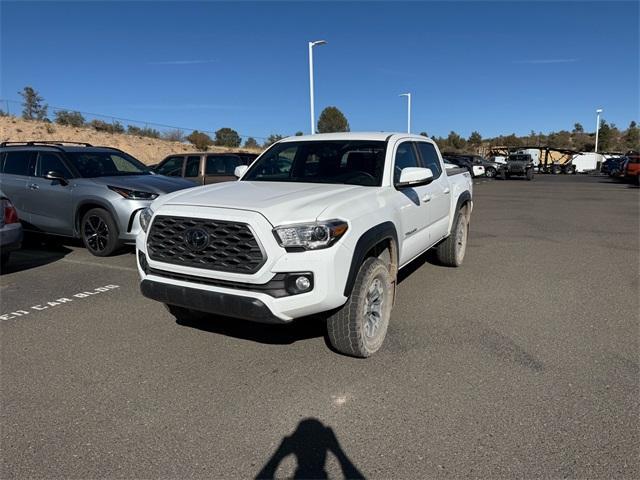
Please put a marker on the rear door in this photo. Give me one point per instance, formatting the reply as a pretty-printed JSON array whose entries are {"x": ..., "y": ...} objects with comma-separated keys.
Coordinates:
[
  {"x": 438, "y": 193},
  {"x": 192, "y": 169},
  {"x": 16, "y": 168},
  {"x": 49, "y": 202},
  {"x": 221, "y": 168}
]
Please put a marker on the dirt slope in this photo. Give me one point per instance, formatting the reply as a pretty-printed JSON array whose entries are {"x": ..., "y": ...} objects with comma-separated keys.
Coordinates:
[{"x": 147, "y": 150}]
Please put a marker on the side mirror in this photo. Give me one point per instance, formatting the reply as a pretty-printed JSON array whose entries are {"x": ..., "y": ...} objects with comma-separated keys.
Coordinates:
[
  {"x": 239, "y": 171},
  {"x": 52, "y": 175},
  {"x": 414, "y": 176}
]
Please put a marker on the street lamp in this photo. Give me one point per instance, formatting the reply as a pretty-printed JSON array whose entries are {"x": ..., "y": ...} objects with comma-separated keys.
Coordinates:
[
  {"x": 311, "y": 45},
  {"x": 598, "y": 112},
  {"x": 408, "y": 95}
]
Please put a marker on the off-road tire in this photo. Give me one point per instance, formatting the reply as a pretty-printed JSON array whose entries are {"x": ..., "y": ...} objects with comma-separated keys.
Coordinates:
[
  {"x": 98, "y": 220},
  {"x": 530, "y": 174},
  {"x": 451, "y": 251},
  {"x": 348, "y": 328}
]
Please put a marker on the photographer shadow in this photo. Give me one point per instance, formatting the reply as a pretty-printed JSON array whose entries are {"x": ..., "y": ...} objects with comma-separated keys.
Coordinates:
[{"x": 310, "y": 443}]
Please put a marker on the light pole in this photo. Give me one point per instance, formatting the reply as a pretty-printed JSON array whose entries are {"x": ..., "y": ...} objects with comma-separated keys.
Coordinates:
[
  {"x": 598, "y": 112},
  {"x": 313, "y": 119},
  {"x": 408, "y": 95}
]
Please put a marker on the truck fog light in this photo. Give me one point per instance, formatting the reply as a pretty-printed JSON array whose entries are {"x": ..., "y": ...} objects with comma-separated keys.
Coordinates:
[{"x": 303, "y": 283}]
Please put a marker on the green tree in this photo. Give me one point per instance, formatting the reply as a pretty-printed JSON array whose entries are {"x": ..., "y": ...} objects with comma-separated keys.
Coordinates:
[
  {"x": 251, "y": 143},
  {"x": 332, "y": 120},
  {"x": 561, "y": 139},
  {"x": 72, "y": 119},
  {"x": 299, "y": 133},
  {"x": 33, "y": 106},
  {"x": 227, "y": 137},
  {"x": 273, "y": 138},
  {"x": 424, "y": 134},
  {"x": 200, "y": 140},
  {"x": 475, "y": 140},
  {"x": 578, "y": 128},
  {"x": 455, "y": 141},
  {"x": 631, "y": 139}
]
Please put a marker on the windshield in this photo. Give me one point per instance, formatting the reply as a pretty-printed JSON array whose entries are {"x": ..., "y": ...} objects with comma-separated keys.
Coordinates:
[
  {"x": 355, "y": 162},
  {"x": 106, "y": 164}
]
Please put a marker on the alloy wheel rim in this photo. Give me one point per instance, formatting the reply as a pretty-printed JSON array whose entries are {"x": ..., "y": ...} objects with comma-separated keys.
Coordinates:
[
  {"x": 96, "y": 233},
  {"x": 373, "y": 308}
]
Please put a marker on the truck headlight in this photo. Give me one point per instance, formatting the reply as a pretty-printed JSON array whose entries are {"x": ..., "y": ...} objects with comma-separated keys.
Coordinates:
[
  {"x": 310, "y": 236},
  {"x": 145, "y": 218}
]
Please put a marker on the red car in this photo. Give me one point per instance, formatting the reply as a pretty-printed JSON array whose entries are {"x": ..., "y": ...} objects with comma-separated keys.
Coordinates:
[{"x": 632, "y": 167}]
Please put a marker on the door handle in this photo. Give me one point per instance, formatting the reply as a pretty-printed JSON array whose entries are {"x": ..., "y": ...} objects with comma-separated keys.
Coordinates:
[
  {"x": 446, "y": 190},
  {"x": 427, "y": 198},
  {"x": 34, "y": 186}
]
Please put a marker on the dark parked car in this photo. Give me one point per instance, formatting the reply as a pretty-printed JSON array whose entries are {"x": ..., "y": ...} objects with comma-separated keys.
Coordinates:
[
  {"x": 204, "y": 168},
  {"x": 490, "y": 168},
  {"x": 613, "y": 166},
  {"x": 78, "y": 190}
]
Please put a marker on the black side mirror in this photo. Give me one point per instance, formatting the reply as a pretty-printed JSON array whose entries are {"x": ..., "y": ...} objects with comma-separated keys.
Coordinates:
[{"x": 52, "y": 175}]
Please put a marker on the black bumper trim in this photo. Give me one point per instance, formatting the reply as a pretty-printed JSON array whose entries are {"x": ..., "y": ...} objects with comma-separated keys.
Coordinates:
[{"x": 236, "y": 306}]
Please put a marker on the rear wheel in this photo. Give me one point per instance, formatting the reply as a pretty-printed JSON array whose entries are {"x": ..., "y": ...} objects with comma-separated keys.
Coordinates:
[
  {"x": 530, "y": 174},
  {"x": 360, "y": 326},
  {"x": 99, "y": 232},
  {"x": 490, "y": 172},
  {"x": 451, "y": 252}
]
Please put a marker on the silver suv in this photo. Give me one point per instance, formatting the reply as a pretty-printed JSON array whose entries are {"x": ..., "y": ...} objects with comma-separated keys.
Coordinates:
[{"x": 78, "y": 190}]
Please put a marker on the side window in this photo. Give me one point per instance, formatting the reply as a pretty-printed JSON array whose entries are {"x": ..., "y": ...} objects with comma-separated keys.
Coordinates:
[
  {"x": 51, "y": 162},
  {"x": 172, "y": 167},
  {"x": 430, "y": 158},
  {"x": 193, "y": 166},
  {"x": 17, "y": 163},
  {"x": 222, "y": 164},
  {"x": 405, "y": 157}
]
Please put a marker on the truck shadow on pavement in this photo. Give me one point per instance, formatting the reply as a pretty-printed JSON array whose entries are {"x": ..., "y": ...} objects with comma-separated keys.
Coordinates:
[
  {"x": 33, "y": 256},
  {"x": 310, "y": 443},
  {"x": 300, "y": 329}
]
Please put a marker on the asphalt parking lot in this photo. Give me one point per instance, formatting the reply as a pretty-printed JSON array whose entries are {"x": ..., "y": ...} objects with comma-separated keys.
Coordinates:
[{"x": 521, "y": 363}]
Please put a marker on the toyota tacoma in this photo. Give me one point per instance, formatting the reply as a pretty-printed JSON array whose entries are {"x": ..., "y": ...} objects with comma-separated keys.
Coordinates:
[{"x": 317, "y": 224}]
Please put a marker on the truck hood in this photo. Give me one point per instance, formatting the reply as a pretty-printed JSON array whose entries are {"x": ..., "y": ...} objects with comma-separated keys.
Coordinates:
[
  {"x": 278, "y": 202},
  {"x": 146, "y": 183}
]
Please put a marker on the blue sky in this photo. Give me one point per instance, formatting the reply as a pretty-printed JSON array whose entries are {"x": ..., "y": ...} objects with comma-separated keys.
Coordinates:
[{"x": 495, "y": 67}]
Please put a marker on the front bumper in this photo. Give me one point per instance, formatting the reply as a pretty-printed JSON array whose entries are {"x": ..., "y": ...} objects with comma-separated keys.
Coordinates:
[{"x": 209, "y": 301}]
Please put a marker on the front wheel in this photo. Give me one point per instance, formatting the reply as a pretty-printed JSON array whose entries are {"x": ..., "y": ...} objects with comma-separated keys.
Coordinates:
[
  {"x": 359, "y": 327},
  {"x": 530, "y": 174},
  {"x": 490, "y": 172},
  {"x": 99, "y": 232},
  {"x": 451, "y": 251}
]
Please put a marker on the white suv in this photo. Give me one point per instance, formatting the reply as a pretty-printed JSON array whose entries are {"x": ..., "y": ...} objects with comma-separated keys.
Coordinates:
[{"x": 317, "y": 223}]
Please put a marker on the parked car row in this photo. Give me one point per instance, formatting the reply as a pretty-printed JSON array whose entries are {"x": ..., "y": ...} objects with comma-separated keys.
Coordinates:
[{"x": 625, "y": 167}]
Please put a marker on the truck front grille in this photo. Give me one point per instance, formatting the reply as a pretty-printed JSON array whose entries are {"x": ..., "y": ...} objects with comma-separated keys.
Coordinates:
[{"x": 204, "y": 243}]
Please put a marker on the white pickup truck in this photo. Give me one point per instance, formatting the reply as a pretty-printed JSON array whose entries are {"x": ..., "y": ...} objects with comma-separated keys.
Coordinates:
[{"x": 318, "y": 223}]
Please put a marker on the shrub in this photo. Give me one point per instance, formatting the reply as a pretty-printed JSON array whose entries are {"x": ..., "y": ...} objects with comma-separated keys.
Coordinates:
[
  {"x": 251, "y": 143},
  {"x": 72, "y": 119},
  {"x": 143, "y": 132},
  {"x": 174, "y": 135},
  {"x": 200, "y": 140}
]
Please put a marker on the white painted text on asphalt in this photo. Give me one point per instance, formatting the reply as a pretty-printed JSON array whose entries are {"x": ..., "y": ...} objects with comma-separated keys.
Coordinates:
[{"x": 57, "y": 302}]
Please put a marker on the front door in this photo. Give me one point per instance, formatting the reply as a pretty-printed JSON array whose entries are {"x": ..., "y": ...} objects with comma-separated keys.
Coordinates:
[
  {"x": 49, "y": 202},
  {"x": 414, "y": 220}
]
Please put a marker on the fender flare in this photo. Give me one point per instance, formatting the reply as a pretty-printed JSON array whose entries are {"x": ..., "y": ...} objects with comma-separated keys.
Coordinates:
[
  {"x": 368, "y": 240},
  {"x": 463, "y": 198}
]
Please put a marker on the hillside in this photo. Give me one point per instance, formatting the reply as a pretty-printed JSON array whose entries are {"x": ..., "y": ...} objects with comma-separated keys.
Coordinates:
[{"x": 145, "y": 149}]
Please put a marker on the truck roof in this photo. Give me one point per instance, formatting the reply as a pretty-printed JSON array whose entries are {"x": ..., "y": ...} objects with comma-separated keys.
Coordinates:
[{"x": 380, "y": 136}]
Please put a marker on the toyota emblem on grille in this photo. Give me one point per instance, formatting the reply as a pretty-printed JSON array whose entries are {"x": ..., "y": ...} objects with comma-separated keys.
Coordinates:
[{"x": 196, "y": 239}]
